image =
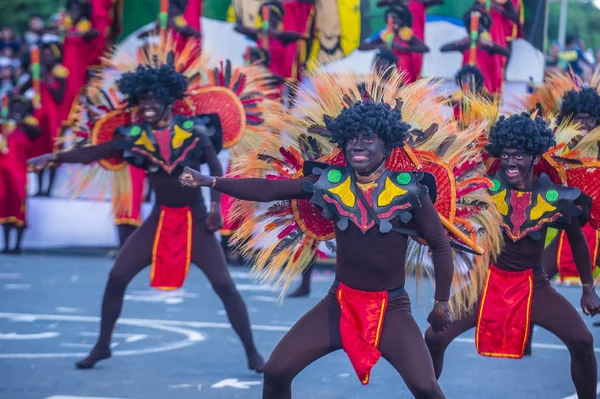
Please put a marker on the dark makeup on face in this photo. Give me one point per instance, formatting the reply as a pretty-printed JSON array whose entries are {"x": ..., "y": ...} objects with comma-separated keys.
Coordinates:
[
  {"x": 518, "y": 168},
  {"x": 153, "y": 111},
  {"x": 364, "y": 153},
  {"x": 17, "y": 111}
]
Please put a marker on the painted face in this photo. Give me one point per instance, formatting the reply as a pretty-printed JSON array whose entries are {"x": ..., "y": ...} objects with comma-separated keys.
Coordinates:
[
  {"x": 364, "y": 152},
  {"x": 397, "y": 22},
  {"x": 152, "y": 110},
  {"x": 17, "y": 112},
  {"x": 517, "y": 167},
  {"x": 586, "y": 121},
  {"x": 328, "y": 24},
  {"x": 75, "y": 11}
]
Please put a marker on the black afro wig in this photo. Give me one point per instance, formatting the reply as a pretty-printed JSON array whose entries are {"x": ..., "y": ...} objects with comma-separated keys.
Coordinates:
[
  {"x": 86, "y": 7},
  {"x": 402, "y": 11},
  {"x": 164, "y": 82},
  {"x": 485, "y": 21},
  {"x": 529, "y": 136},
  {"x": 470, "y": 74},
  {"x": 585, "y": 101},
  {"x": 368, "y": 117}
]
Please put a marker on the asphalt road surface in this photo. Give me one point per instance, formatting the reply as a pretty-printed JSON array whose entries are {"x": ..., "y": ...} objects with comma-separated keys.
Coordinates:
[{"x": 179, "y": 344}]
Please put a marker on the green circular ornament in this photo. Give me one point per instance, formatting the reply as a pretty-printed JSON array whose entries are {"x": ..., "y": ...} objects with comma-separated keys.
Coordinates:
[
  {"x": 188, "y": 124},
  {"x": 334, "y": 176},
  {"x": 496, "y": 185},
  {"x": 135, "y": 131},
  {"x": 403, "y": 178},
  {"x": 552, "y": 195}
]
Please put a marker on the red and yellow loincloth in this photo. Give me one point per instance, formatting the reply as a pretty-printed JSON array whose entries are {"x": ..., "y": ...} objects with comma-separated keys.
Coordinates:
[
  {"x": 361, "y": 321},
  {"x": 567, "y": 271},
  {"x": 172, "y": 250},
  {"x": 504, "y": 317}
]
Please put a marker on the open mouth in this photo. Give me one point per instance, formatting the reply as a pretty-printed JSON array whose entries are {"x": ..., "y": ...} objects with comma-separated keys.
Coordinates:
[
  {"x": 149, "y": 113},
  {"x": 512, "y": 172},
  {"x": 359, "y": 157}
]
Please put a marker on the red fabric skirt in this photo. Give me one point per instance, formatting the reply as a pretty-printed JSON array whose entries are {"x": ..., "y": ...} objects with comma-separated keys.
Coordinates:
[
  {"x": 133, "y": 216},
  {"x": 567, "y": 271},
  {"x": 417, "y": 9},
  {"x": 172, "y": 250},
  {"x": 13, "y": 179},
  {"x": 504, "y": 314},
  {"x": 361, "y": 321},
  {"x": 490, "y": 68}
]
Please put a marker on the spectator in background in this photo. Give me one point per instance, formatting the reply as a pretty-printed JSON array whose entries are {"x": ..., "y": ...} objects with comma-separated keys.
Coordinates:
[
  {"x": 574, "y": 57},
  {"x": 7, "y": 76},
  {"x": 53, "y": 24},
  {"x": 553, "y": 60},
  {"x": 9, "y": 45},
  {"x": 35, "y": 30}
]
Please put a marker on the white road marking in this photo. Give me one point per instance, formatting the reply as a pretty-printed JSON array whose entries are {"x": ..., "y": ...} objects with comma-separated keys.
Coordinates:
[
  {"x": 77, "y": 397},
  {"x": 19, "y": 337},
  {"x": 244, "y": 275},
  {"x": 192, "y": 336},
  {"x": 68, "y": 345},
  {"x": 17, "y": 286},
  {"x": 574, "y": 396},
  {"x": 344, "y": 375},
  {"x": 264, "y": 298},
  {"x": 252, "y": 287},
  {"x": 181, "y": 386},
  {"x": 234, "y": 383},
  {"x": 150, "y": 299},
  {"x": 64, "y": 309},
  {"x": 128, "y": 337},
  {"x": 11, "y": 276},
  {"x": 533, "y": 345}
]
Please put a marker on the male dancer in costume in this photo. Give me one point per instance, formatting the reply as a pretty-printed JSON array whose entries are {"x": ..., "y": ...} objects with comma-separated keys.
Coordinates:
[
  {"x": 399, "y": 38},
  {"x": 180, "y": 229},
  {"x": 469, "y": 80},
  {"x": 486, "y": 50},
  {"x": 517, "y": 292},
  {"x": 18, "y": 130},
  {"x": 370, "y": 265}
]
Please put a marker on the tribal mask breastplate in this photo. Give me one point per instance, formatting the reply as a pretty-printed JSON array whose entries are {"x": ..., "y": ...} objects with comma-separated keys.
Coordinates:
[
  {"x": 392, "y": 195},
  {"x": 165, "y": 149},
  {"x": 526, "y": 213}
]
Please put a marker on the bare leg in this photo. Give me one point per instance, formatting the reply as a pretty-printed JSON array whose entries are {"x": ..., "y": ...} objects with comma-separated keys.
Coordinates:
[
  {"x": 402, "y": 345},
  {"x": 437, "y": 342},
  {"x": 208, "y": 255},
  {"x": 133, "y": 258},
  {"x": 553, "y": 312},
  {"x": 316, "y": 334}
]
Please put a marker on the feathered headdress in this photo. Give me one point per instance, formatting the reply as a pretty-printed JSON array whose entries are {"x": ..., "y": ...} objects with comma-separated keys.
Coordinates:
[{"x": 297, "y": 227}]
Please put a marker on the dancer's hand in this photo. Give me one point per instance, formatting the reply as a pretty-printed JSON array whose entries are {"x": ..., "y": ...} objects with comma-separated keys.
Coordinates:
[
  {"x": 193, "y": 178},
  {"x": 440, "y": 317},
  {"x": 214, "y": 221},
  {"x": 39, "y": 163},
  {"x": 590, "y": 302}
]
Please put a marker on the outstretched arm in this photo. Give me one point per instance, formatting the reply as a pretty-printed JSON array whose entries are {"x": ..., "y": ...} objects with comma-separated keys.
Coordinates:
[
  {"x": 415, "y": 45},
  {"x": 83, "y": 155},
  {"x": 460, "y": 45},
  {"x": 590, "y": 303},
  {"x": 251, "y": 33},
  {"x": 428, "y": 221},
  {"x": 259, "y": 190},
  {"x": 372, "y": 45},
  {"x": 508, "y": 10},
  {"x": 494, "y": 48}
]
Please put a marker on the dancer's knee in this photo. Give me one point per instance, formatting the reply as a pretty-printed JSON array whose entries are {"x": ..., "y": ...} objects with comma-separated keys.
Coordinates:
[
  {"x": 277, "y": 375},
  {"x": 435, "y": 341},
  {"x": 225, "y": 290},
  {"x": 117, "y": 279},
  {"x": 581, "y": 342},
  {"x": 426, "y": 389}
]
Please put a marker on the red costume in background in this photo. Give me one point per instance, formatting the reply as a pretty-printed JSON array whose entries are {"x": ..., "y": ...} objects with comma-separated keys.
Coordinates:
[
  {"x": 418, "y": 11},
  {"x": 49, "y": 114},
  {"x": 76, "y": 58},
  {"x": 102, "y": 19},
  {"x": 406, "y": 62},
  {"x": 298, "y": 17},
  {"x": 13, "y": 177},
  {"x": 133, "y": 216},
  {"x": 567, "y": 271},
  {"x": 192, "y": 14},
  {"x": 490, "y": 68}
]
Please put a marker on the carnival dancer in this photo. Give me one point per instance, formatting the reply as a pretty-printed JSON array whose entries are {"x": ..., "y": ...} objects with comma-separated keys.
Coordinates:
[
  {"x": 273, "y": 38},
  {"x": 485, "y": 49},
  {"x": 53, "y": 88},
  {"x": 418, "y": 10},
  {"x": 169, "y": 134},
  {"x": 18, "y": 129},
  {"x": 470, "y": 82},
  {"x": 517, "y": 293},
  {"x": 400, "y": 39},
  {"x": 374, "y": 196}
]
